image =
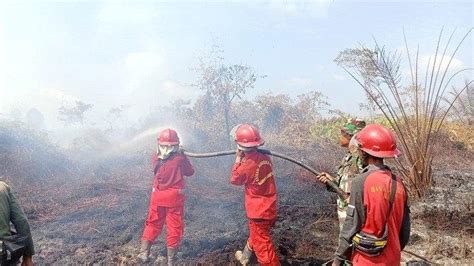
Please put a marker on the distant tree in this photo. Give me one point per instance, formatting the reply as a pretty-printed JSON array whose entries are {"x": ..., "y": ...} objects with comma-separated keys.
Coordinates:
[
  {"x": 224, "y": 83},
  {"x": 70, "y": 115},
  {"x": 274, "y": 110},
  {"x": 115, "y": 115},
  {"x": 290, "y": 122},
  {"x": 361, "y": 59}
]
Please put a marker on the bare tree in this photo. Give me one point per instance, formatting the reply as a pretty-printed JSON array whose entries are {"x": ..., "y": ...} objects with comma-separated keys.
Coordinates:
[
  {"x": 116, "y": 115},
  {"x": 224, "y": 83},
  {"x": 361, "y": 59},
  {"x": 70, "y": 115}
]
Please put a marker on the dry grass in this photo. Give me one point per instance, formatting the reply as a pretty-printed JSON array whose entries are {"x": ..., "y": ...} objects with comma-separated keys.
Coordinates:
[{"x": 415, "y": 111}]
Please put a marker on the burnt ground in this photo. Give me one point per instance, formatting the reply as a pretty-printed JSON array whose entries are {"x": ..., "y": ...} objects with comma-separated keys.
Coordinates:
[
  {"x": 97, "y": 218},
  {"x": 442, "y": 225}
]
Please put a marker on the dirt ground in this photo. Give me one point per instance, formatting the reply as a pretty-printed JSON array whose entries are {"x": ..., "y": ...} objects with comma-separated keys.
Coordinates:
[
  {"x": 442, "y": 225},
  {"x": 98, "y": 219}
]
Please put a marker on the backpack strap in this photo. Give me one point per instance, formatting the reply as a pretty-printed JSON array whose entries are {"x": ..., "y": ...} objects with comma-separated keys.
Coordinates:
[
  {"x": 393, "y": 190},
  {"x": 391, "y": 199}
]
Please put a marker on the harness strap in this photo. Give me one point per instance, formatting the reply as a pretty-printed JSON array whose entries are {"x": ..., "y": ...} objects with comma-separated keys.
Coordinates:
[{"x": 393, "y": 190}]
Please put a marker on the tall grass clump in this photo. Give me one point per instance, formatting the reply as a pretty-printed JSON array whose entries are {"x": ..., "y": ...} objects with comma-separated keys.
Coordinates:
[{"x": 417, "y": 110}]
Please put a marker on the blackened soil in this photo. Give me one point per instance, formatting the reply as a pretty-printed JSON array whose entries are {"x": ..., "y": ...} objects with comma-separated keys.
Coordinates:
[{"x": 99, "y": 221}]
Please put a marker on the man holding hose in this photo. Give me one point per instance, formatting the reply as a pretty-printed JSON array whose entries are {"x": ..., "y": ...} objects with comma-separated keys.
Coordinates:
[
  {"x": 167, "y": 198},
  {"x": 377, "y": 226},
  {"x": 254, "y": 170},
  {"x": 350, "y": 166}
]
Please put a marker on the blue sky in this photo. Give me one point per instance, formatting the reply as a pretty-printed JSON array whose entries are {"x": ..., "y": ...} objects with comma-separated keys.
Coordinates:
[{"x": 141, "y": 53}]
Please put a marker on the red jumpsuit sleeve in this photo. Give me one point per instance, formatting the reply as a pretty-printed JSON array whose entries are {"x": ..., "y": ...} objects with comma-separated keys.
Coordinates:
[
  {"x": 239, "y": 174},
  {"x": 187, "y": 167}
]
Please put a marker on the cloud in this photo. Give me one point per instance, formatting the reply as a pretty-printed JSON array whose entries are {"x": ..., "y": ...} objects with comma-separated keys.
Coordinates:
[
  {"x": 141, "y": 70},
  {"x": 315, "y": 8},
  {"x": 426, "y": 61},
  {"x": 455, "y": 64},
  {"x": 147, "y": 72},
  {"x": 147, "y": 83},
  {"x": 123, "y": 13},
  {"x": 148, "y": 61},
  {"x": 175, "y": 90}
]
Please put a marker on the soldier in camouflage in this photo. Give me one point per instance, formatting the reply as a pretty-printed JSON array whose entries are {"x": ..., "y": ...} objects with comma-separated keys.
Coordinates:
[
  {"x": 14, "y": 243},
  {"x": 351, "y": 164}
]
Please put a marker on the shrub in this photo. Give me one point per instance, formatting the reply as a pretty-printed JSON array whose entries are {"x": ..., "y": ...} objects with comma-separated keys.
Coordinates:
[{"x": 415, "y": 111}]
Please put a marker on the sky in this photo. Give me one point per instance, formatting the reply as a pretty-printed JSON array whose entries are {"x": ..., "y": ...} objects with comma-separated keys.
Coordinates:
[{"x": 142, "y": 53}]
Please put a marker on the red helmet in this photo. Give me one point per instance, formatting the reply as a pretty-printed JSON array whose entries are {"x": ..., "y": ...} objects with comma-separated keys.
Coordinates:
[
  {"x": 378, "y": 141},
  {"x": 168, "y": 137},
  {"x": 248, "y": 136}
]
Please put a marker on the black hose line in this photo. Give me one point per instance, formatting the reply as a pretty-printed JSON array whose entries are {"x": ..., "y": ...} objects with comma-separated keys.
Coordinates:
[{"x": 331, "y": 184}]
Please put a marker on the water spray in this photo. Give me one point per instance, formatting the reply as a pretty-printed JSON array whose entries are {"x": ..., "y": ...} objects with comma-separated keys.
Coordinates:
[{"x": 333, "y": 185}]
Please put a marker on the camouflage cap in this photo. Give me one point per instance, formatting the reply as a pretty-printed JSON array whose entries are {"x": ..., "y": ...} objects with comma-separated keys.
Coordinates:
[{"x": 353, "y": 126}]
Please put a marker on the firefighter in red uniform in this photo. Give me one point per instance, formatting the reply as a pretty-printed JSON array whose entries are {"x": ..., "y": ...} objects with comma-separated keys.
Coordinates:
[
  {"x": 254, "y": 170},
  {"x": 167, "y": 197},
  {"x": 377, "y": 226}
]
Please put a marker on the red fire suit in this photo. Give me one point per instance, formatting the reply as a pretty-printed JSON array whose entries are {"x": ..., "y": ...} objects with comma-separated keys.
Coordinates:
[
  {"x": 367, "y": 212},
  {"x": 167, "y": 199},
  {"x": 255, "y": 171}
]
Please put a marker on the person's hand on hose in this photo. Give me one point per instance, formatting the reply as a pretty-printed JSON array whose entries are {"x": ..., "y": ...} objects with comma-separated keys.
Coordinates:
[
  {"x": 325, "y": 177},
  {"x": 27, "y": 261},
  {"x": 239, "y": 154}
]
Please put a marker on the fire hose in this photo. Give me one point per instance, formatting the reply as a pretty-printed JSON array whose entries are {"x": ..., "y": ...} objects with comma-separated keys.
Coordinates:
[{"x": 331, "y": 184}]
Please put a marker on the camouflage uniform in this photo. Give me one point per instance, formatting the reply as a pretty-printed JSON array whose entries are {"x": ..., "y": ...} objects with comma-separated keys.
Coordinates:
[
  {"x": 351, "y": 165},
  {"x": 11, "y": 212}
]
